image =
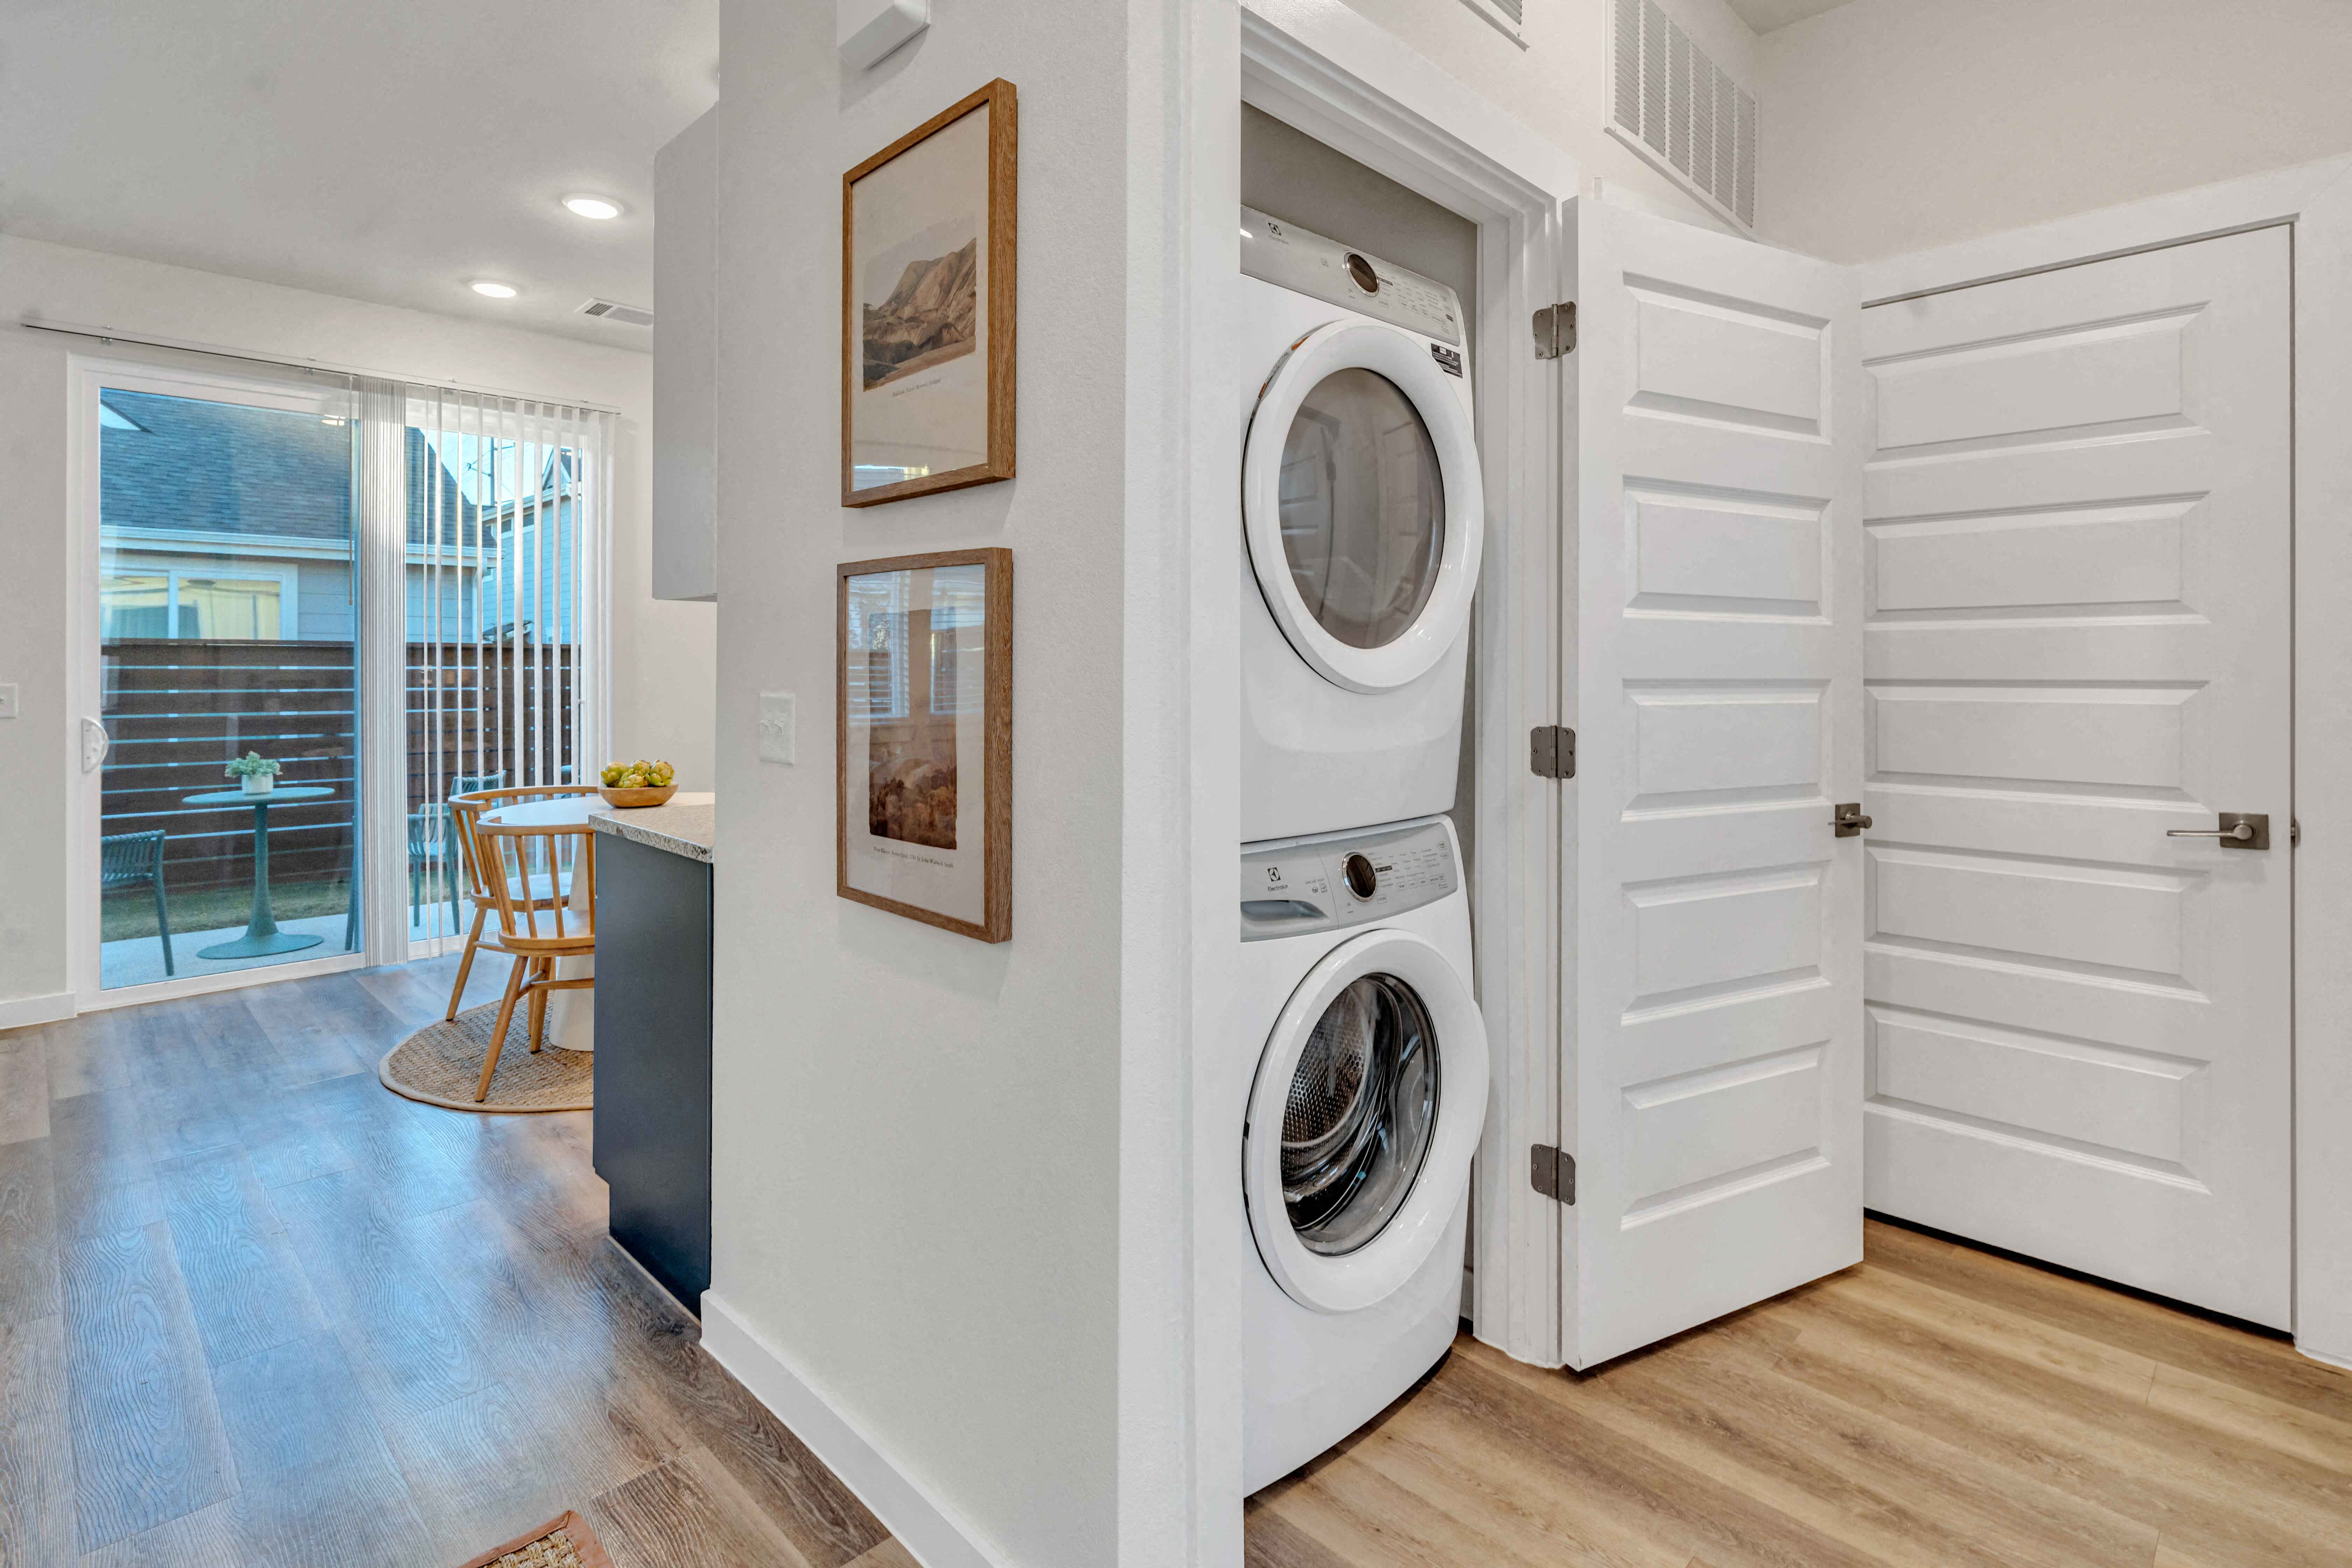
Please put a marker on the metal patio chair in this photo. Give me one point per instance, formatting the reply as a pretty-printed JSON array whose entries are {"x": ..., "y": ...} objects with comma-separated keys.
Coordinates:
[{"x": 129, "y": 859}]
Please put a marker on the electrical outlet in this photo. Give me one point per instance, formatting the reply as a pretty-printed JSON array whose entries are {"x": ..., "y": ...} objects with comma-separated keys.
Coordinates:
[
  {"x": 779, "y": 728},
  {"x": 8, "y": 700}
]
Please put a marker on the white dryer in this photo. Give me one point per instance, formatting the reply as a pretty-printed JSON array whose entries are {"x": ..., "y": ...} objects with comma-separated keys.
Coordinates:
[
  {"x": 1364, "y": 517},
  {"x": 1357, "y": 1086}
]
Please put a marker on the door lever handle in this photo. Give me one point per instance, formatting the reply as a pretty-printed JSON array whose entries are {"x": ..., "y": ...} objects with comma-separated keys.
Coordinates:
[
  {"x": 1849, "y": 820},
  {"x": 2239, "y": 830}
]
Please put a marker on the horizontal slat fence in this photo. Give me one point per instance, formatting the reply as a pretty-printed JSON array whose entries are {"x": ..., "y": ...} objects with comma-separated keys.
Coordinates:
[{"x": 176, "y": 710}]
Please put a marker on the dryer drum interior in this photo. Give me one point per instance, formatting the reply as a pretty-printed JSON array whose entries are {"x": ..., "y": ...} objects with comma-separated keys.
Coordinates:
[{"x": 1359, "y": 1114}]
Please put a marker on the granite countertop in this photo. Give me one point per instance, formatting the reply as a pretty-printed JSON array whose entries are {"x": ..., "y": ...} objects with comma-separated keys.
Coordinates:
[{"x": 683, "y": 826}]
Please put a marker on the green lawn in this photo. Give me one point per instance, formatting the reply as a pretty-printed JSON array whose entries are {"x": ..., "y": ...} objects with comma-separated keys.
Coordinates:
[{"x": 131, "y": 913}]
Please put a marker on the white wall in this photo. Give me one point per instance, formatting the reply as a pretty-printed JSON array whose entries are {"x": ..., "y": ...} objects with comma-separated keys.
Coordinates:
[
  {"x": 661, "y": 662},
  {"x": 1558, "y": 86},
  {"x": 1892, "y": 125},
  {"x": 917, "y": 1139}
]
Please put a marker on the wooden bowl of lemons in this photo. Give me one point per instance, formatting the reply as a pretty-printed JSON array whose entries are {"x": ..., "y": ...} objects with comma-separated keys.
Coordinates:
[{"x": 627, "y": 785}]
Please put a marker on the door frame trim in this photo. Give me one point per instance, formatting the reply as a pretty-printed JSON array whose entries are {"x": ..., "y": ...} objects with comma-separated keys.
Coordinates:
[{"x": 2314, "y": 201}]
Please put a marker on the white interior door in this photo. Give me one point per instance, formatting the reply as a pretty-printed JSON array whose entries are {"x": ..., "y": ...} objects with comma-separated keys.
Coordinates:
[
  {"x": 2078, "y": 524},
  {"x": 1713, "y": 1090}
]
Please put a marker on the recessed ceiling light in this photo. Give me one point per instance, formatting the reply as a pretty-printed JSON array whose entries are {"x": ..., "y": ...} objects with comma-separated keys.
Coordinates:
[
  {"x": 593, "y": 207},
  {"x": 495, "y": 291}
]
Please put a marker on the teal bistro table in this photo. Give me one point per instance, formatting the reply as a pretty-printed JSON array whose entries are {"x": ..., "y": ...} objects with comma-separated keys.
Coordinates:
[{"x": 261, "y": 936}]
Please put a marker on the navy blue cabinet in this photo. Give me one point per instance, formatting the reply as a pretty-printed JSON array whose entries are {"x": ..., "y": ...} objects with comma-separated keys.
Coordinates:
[{"x": 653, "y": 1059}]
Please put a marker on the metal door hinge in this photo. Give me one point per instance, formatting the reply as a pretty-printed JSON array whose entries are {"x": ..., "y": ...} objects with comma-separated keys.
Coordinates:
[
  {"x": 1553, "y": 1173},
  {"x": 1551, "y": 751},
  {"x": 1556, "y": 330},
  {"x": 1849, "y": 820}
]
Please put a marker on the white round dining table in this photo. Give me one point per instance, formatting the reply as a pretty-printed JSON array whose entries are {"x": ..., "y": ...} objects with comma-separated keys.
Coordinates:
[{"x": 570, "y": 1015}]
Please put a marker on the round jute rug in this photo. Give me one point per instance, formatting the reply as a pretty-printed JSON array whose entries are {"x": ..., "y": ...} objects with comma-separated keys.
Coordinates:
[{"x": 442, "y": 1063}]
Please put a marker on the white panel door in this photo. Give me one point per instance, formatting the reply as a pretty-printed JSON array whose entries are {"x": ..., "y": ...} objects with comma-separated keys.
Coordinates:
[
  {"x": 1713, "y": 1096},
  {"x": 2078, "y": 512}
]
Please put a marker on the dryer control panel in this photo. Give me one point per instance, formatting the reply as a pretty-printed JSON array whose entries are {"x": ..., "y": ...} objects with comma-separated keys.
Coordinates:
[
  {"x": 1278, "y": 252},
  {"x": 1296, "y": 886}
]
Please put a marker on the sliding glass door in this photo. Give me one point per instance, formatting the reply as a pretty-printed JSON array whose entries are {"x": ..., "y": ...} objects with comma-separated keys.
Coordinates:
[
  {"x": 312, "y": 609},
  {"x": 229, "y": 665}
]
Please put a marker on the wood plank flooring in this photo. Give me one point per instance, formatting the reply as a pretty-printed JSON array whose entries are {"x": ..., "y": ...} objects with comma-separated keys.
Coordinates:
[
  {"x": 254, "y": 1310},
  {"x": 1934, "y": 1405}
]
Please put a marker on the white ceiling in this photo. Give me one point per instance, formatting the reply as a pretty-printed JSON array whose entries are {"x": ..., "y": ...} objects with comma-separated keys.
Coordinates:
[
  {"x": 1764, "y": 15},
  {"x": 390, "y": 152}
]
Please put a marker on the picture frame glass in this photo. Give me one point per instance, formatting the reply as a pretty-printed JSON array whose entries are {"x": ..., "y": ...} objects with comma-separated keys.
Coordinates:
[
  {"x": 919, "y": 281},
  {"x": 914, "y": 765}
]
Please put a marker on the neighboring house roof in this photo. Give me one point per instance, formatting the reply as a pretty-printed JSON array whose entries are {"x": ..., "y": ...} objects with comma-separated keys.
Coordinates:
[{"x": 222, "y": 467}]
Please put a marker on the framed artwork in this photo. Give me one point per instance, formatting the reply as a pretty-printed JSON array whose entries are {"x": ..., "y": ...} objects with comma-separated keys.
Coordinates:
[
  {"x": 923, "y": 765},
  {"x": 927, "y": 306}
]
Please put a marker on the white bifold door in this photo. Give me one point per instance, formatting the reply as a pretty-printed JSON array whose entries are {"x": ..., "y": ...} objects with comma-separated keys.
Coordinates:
[
  {"x": 1713, "y": 1090},
  {"x": 2078, "y": 521},
  {"x": 2007, "y": 565}
]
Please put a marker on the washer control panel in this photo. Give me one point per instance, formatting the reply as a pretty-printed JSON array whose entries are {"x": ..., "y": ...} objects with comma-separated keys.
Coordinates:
[
  {"x": 1295, "y": 886},
  {"x": 1278, "y": 252}
]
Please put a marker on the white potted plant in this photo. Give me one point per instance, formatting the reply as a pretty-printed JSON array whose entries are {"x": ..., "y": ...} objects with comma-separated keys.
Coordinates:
[{"x": 257, "y": 773}]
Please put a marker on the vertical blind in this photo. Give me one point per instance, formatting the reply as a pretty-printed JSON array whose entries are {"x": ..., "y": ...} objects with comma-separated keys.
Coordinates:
[{"x": 502, "y": 525}]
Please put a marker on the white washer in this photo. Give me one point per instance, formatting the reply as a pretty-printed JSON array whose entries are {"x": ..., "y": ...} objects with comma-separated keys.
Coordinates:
[
  {"x": 1364, "y": 517},
  {"x": 1357, "y": 1086}
]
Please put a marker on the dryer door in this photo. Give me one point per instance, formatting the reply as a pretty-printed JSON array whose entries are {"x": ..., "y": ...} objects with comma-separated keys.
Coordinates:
[
  {"x": 1361, "y": 504},
  {"x": 1361, "y": 1124}
]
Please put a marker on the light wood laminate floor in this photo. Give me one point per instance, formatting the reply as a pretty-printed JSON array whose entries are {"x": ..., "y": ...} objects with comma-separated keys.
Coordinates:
[
  {"x": 1934, "y": 1404},
  {"x": 253, "y": 1310}
]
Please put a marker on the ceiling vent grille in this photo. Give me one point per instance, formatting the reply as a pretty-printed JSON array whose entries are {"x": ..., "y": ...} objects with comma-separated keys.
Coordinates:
[
  {"x": 1509, "y": 18},
  {"x": 1675, "y": 106},
  {"x": 612, "y": 310}
]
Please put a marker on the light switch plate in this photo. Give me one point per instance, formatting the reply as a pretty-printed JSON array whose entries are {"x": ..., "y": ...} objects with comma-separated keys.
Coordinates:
[
  {"x": 8, "y": 700},
  {"x": 779, "y": 728}
]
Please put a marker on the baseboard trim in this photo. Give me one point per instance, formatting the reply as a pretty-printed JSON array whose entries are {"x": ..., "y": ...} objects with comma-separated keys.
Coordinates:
[
  {"x": 2322, "y": 1357},
  {"x": 18, "y": 1012},
  {"x": 924, "y": 1525}
]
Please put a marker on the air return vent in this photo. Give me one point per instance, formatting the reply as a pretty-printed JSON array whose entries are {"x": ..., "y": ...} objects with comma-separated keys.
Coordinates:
[
  {"x": 1676, "y": 106},
  {"x": 611, "y": 310},
  {"x": 1506, "y": 14}
]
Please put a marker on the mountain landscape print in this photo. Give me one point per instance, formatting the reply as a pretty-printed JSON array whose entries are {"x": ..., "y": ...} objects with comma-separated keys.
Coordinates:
[
  {"x": 926, "y": 307},
  {"x": 931, "y": 317}
]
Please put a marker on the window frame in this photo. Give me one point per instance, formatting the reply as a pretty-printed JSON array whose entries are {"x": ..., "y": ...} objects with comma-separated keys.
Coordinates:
[{"x": 287, "y": 578}]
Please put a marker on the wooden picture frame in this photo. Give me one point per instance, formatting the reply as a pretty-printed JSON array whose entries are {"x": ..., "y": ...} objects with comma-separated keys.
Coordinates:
[
  {"x": 907, "y": 741},
  {"x": 927, "y": 334}
]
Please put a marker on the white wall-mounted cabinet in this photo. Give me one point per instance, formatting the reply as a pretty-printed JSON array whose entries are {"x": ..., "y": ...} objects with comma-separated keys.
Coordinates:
[{"x": 685, "y": 365}]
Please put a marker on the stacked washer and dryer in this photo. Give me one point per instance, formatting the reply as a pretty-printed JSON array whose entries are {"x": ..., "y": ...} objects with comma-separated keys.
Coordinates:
[{"x": 1359, "y": 1083}]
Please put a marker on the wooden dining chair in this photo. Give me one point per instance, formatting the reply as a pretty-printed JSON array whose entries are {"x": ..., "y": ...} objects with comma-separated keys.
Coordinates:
[
  {"x": 534, "y": 930},
  {"x": 465, "y": 811}
]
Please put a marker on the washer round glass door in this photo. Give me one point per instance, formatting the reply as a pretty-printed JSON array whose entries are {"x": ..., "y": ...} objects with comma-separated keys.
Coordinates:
[
  {"x": 1362, "y": 506},
  {"x": 1362, "y": 1119}
]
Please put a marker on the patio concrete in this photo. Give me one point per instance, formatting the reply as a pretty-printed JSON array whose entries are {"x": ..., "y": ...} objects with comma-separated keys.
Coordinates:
[{"x": 139, "y": 960}]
